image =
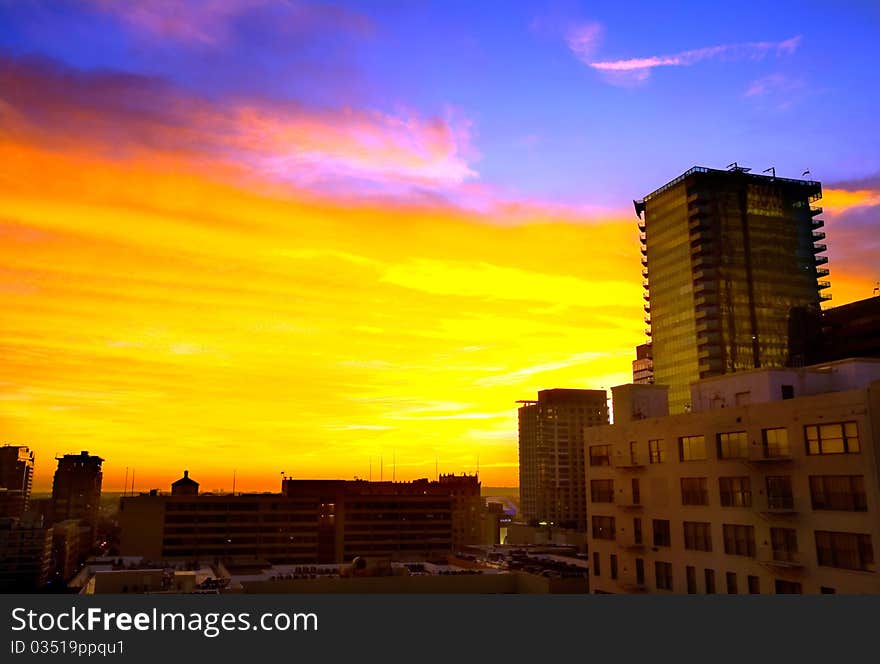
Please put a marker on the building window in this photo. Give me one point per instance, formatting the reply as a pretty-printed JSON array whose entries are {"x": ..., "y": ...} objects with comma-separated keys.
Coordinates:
[
  {"x": 694, "y": 491},
  {"x": 731, "y": 583},
  {"x": 775, "y": 443},
  {"x": 754, "y": 585},
  {"x": 698, "y": 536},
  {"x": 779, "y": 494},
  {"x": 787, "y": 391},
  {"x": 603, "y": 527},
  {"x": 662, "y": 535},
  {"x": 838, "y": 438},
  {"x": 844, "y": 550},
  {"x": 733, "y": 445},
  {"x": 788, "y": 587},
  {"x": 600, "y": 455},
  {"x": 739, "y": 540},
  {"x": 692, "y": 448},
  {"x": 634, "y": 453},
  {"x": 691, "y": 575},
  {"x": 838, "y": 492},
  {"x": 825, "y": 590},
  {"x": 640, "y": 571},
  {"x": 735, "y": 491},
  {"x": 784, "y": 543},
  {"x": 613, "y": 565},
  {"x": 602, "y": 491},
  {"x": 637, "y": 530},
  {"x": 596, "y": 563},
  {"x": 636, "y": 491},
  {"x": 709, "y": 577},
  {"x": 657, "y": 451},
  {"x": 663, "y": 575}
]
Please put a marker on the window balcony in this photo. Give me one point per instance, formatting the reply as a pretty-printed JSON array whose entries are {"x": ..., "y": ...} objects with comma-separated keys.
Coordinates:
[
  {"x": 821, "y": 260},
  {"x": 819, "y": 248},
  {"x": 822, "y": 272},
  {"x": 824, "y": 284},
  {"x": 818, "y": 235},
  {"x": 626, "y": 461}
]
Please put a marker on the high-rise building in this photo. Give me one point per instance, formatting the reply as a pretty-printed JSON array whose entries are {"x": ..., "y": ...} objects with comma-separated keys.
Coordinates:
[
  {"x": 726, "y": 256},
  {"x": 551, "y": 454},
  {"x": 16, "y": 479},
  {"x": 76, "y": 489},
  {"x": 768, "y": 486},
  {"x": 643, "y": 365}
]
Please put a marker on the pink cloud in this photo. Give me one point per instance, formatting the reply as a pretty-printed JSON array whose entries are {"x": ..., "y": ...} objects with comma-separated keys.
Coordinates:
[
  {"x": 639, "y": 69},
  {"x": 583, "y": 40},
  {"x": 120, "y": 115}
]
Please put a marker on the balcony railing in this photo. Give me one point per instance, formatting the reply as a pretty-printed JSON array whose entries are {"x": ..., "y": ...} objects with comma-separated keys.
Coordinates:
[
  {"x": 769, "y": 453},
  {"x": 821, "y": 260},
  {"x": 824, "y": 284},
  {"x": 822, "y": 271},
  {"x": 782, "y": 558},
  {"x": 819, "y": 248}
]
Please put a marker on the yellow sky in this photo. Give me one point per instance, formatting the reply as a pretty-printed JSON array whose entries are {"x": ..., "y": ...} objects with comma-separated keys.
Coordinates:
[
  {"x": 169, "y": 321},
  {"x": 162, "y": 316}
]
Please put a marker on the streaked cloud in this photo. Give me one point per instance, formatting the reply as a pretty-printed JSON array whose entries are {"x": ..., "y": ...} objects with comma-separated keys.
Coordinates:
[
  {"x": 640, "y": 68},
  {"x": 211, "y": 22},
  {"x": 330, "y": 149}
]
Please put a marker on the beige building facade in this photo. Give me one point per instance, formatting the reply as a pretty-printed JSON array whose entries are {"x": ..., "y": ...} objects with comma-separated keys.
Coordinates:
[{"x": 770, "y": 486}]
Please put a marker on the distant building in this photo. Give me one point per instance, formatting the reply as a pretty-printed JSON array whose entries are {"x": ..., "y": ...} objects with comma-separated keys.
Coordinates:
[
  {"x": 310, "y": 521},
  {"x": 850, "y": 330},
  {"x": 770, "y": 485},
  {"x": 76, "y": 488},
  {"x": 726, "y": 256},
  {"x": 643, "y": 365},
  {"x": 551, "y": 454},
  {"x": 25, "y": 554},
  {"x": 16, "y": 479}
]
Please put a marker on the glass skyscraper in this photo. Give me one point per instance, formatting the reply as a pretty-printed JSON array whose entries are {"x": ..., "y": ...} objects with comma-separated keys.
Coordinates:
[{"x": 726, "y": 256}]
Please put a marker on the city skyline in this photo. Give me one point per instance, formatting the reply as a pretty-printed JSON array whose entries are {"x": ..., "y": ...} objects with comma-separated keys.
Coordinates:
[{"x": 270, "y": 237}]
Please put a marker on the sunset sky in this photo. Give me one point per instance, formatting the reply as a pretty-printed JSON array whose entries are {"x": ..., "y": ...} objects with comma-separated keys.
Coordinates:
[{"x": 287, "y": 236}]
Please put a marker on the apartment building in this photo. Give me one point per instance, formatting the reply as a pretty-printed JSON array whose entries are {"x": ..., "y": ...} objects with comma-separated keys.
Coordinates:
[{"x": 770, "y": 485}]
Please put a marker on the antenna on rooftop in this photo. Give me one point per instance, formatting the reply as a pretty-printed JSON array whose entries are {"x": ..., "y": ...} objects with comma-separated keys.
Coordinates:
[
  {"x": 806, "y": 172},
  {"x": 772, "y": 170},
  {"x": 233, "y": 481},
  {"x": 125, "y": 483}
]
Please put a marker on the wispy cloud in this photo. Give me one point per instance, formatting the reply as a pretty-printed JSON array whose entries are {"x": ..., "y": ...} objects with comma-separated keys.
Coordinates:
[
  {"x": 210, "y": 23},
  {"x": 639, "y": 69},
  {"x": 767, "y": 84},
  {"x": 583, "y": 40}
]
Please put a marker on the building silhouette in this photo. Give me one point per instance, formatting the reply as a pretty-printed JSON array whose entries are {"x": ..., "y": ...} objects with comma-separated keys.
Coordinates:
[
  {"x": 185, "y": 486},
  {"x": 76, "y": 488},
  {"x": 643, "y": 365},
  {"x": 16, "y": 479},
  {"x": 850, "y": 330},
  {"x": 551, "y": 454},
  {"x": 25, "y": 554},
  {"x": 309, "y": 522},
  {"x": 726, "y": 256},
  {"x": 769, "y": 485}
]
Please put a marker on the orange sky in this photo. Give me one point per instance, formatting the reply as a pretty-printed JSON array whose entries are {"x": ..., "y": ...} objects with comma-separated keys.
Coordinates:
[{"x": 181, "y": 308}]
